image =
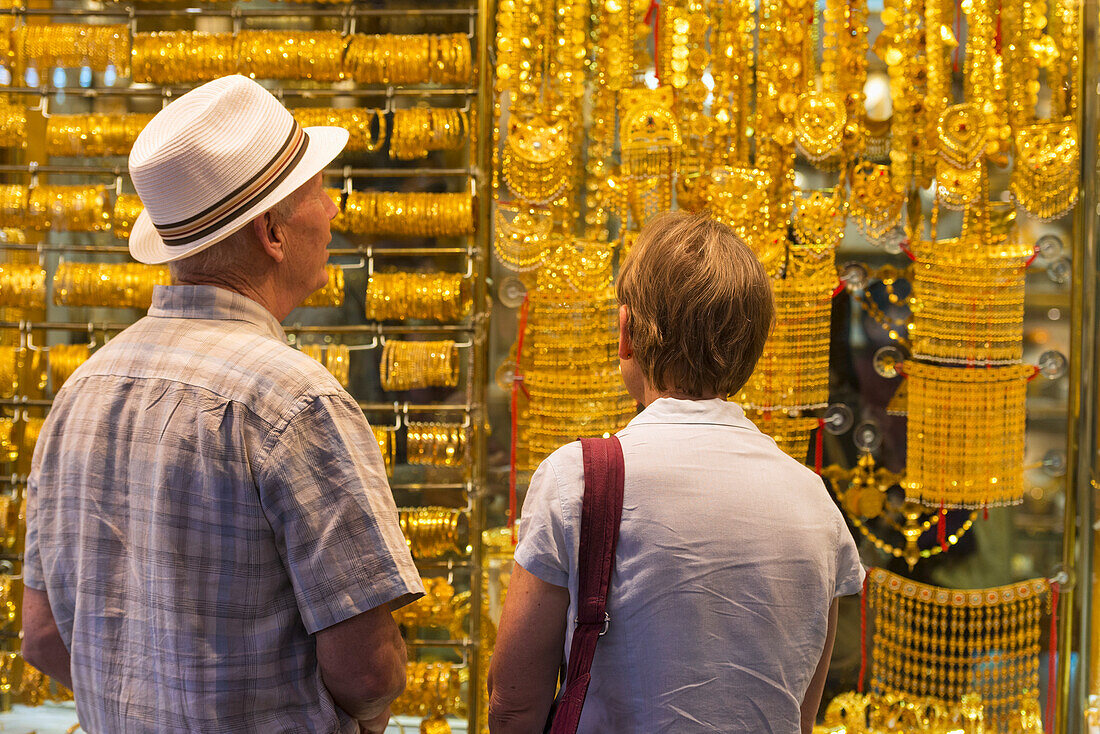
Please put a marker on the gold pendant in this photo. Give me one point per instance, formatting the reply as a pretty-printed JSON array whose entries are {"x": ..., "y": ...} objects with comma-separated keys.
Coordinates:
[
  {"x": 537, "y": 158},
  {"x": 873, "y": 202},
  {"x": 1045, "y": 175},
  {"x": 819, "y": 120},
  {"x": 651, "y": 145}
]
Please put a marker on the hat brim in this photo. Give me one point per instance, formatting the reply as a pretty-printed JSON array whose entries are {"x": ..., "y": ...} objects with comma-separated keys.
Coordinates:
[{"x": 325, "y": 143}]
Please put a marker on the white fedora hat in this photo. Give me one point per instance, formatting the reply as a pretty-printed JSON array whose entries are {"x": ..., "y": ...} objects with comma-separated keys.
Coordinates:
[{"x": 215, "y": 159}]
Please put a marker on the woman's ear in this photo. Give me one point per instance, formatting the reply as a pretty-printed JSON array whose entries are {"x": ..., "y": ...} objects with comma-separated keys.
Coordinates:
[{"x": 626, "y": 347}]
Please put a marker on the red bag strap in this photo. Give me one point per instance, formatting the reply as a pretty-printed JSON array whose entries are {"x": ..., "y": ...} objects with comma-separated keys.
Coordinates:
[{"x": 601, "y": 512}]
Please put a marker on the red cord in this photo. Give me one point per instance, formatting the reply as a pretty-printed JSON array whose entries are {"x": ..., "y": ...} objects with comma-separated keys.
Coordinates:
[
  {"x": 904, "y": 245},
  {"x": 818, "y": 448},
  {"x": 1052, "y": 657},
  {"x": 517, "y": 380},
  {"x": 653, "y": 18},
  {"x": 985, "y": 512},
  {"x": 942, "y": 531},
  {"x": 839, "y": 289},
  {"x": 863, "y": 634}
]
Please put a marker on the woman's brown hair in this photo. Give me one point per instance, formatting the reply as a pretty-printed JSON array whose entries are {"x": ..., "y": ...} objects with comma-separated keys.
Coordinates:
[{"x": 700, "y": 305}]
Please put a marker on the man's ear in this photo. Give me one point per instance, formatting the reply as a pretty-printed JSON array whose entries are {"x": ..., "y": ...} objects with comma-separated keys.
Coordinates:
[
  {"x": 626, "y": 347},
  {"x": 270, "y": 235}
]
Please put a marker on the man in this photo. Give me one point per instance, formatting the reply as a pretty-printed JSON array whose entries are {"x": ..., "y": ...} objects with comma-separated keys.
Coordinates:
[
  {"x": 731, "y": 555},
  {"x": 211, "y": 541}
]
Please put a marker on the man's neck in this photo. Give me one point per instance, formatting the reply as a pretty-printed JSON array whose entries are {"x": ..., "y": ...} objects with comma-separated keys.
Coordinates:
[{"x": 263, "y": 293}]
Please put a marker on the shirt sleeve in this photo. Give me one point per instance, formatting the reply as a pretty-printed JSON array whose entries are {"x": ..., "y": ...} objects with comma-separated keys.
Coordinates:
[
  {"x": 542, "y": 548},
  {"x": 849, "y": 569},
  {"x": 32, "y": 559},
  {"x": 323, "y": 488}
]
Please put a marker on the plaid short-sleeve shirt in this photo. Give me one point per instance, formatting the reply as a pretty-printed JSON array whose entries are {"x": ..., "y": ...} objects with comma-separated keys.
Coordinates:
[{"x": 203, "y": 499}]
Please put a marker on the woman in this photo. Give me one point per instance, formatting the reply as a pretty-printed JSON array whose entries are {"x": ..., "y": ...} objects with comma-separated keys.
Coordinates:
[{"x": 730, "y": 554}]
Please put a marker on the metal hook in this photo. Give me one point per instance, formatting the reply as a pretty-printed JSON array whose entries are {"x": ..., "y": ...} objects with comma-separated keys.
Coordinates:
[
  {"x": 469, "y": 263},
  {"x": 362, "y": 263},
  {"x": 373, "y": 344},
  {"x": 118, "y": 185},
  {"x": 464, "y": 345},
  {"x": 32, "y": 167},
  {"x": 91, "y": 336}
]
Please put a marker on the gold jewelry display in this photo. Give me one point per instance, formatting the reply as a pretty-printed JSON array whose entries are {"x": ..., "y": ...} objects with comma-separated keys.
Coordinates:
[
  {"x": 968, "y": 297},
  {"x": 570, "y": 363},
  {"x": 433, "y": 689},
  {"x": 791, "y": 434},
  {"x": 856, "y": 713},
  {"x": 68, "y": 208},
  {"x": 64, "y": 359},
  {"x": 9, "y": 371},
  {"x": 332, "y": 294},
  {"x": 72, "y": 46},
  {"x": 387, "y": 445},
  {"x": 22, "y": 371},
  {"x": 366, "y": 127},
  {"x": 741, "y": 199},
  {"x": 418, "y": 131},
  {"x": 521, "y": 236},
  {"x": 538, "y": 159},
  {"x": 93, "y": 135},
  {"x": 13, "y": 206},
  {"x": 440, "y": 608},
  {"x": 177, "y": 57},
  {"x": 118, "y": 285},
  {"x": 412, "y": 365},
  {"x": 409, "y": 59},
  {"x": 1046, "y": 170},
  {"x": 9, "y": 443},
  {"x": 409, "y": 214},
  {"x": 874, "y": 202},
  {"x": 431, "y": 532},
  {"x": 965, "y": 434},
  {"x": 127, "y": 209},
  {"x": 731, "y": 67},
  {"x": 22, "y": 286},
  {"x": 651, "y": 144},
  {"x": 284, "y": 54},
  {"x": 431, "y": 296},
  {"x": 793, "y": 372},
  {"x": 900, "y": 47},
  {"x": 13, "y": 124},
  {"x": 960, "y": 171},
  {"x": 437, "y": 444},
  {"x": 818, "y": 219},
  {"x": 335, "y": 358},
  {"x": 945, "y": 643}
]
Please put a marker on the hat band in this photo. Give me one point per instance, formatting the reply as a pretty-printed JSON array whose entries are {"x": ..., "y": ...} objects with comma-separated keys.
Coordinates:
[{"x": 251, "y": 192}]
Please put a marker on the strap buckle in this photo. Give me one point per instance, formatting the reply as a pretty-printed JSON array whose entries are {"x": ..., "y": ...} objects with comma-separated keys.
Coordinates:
[{"x": 606, "y": 623}]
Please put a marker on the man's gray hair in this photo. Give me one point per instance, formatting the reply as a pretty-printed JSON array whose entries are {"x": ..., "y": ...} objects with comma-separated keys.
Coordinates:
[{"x": 230, "y": 255}]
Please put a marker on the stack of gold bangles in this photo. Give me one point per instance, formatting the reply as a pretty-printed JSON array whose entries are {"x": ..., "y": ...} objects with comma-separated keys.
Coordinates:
[
  {"x": 410, "y": 214},
  {"x": 13, "y": 125},
  {"x": 420, "y": 130},
  {"x": 9, "y": 370},
  {"x": 121, "y": 285},
  {"x": 126, "y": 211},
  {"x": 22, "y": 286},
  {"x": 409, "y": 59},
  {"x": 437, "y": 444},
  {"x": 435, "y": 296},
  {"x": 175, "y": 57},
  {"x": 69, "y": 208},
  {"x": 9, "y": 442},
  {"x": 335, "y": 358},
  {"x": 72, "y": 45},
  {"x": 439, "y": 607},
  {"x": 431, "y": 532},
  {"x": 432, "y": 689},
  {"x": 412, "y": 365},
  {"x": 93, "y": 135},
  {"x": 64, "y": 359},
  {"x": 8, "y": 583},
  {"x": 356, "y": 120},
  {"x": 387, "y": 444},
  {"x": 13, "y": 205},
  {"x": 332, "y": 294},
  {"x": 316, "y": 55}
]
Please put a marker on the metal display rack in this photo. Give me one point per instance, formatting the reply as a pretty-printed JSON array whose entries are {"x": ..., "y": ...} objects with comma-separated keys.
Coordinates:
[{"x": 38, "y": 329}]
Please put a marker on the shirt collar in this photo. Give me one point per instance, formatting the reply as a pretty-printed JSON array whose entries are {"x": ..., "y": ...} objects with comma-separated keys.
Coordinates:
[
  {"x": 674, "y": 410},
  {"x": 212, "y": 302}
]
